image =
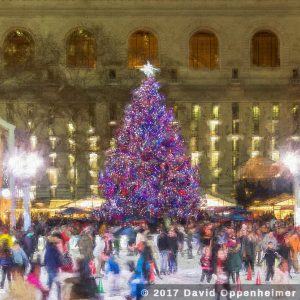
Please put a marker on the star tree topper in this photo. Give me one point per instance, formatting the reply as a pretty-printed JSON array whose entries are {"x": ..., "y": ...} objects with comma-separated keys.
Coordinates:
[{"x": 149, "y": 70}]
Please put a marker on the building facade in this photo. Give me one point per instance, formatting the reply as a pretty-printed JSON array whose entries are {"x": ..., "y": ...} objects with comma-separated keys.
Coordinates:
[{"x": 229, "y": 69}]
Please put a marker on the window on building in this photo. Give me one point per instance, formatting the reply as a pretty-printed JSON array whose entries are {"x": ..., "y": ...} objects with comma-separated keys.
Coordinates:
[
  {"x": 295, "y": 114},
  {"x": 18, "y": 49},
  {"x": 214, "y": 159},
  {"x": 235, "y": 146},
  {"x": 196, "y": 111},
  {"x": 275, "y": 111},
  {"x": 81, "y": 49},
  {"x": 255, "y": 144},
  {"x": 255, "y": 118},
  {"x": 265, "y": 49},
  {"x": 215, "y": 112},
  {"x": 142, "y": 47},
  {"x": 193, "y": 144},
  {"x": 113, "y": 111},
  {"x": 235, "y": 118},
  {"x": 195, "y": 158},
  {"x": 204, "y": 51}
]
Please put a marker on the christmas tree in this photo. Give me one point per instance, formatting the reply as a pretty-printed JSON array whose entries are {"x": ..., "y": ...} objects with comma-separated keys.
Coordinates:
[{"x": 149, "y": 173}]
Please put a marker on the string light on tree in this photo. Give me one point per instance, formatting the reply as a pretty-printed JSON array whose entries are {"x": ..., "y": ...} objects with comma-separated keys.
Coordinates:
[{"x": 148, "y": 172}]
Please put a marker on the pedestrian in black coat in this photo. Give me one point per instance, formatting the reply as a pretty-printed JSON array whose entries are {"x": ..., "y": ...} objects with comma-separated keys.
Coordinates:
[
  {"x": 173, "y": 247},
  {"x": 270, "y": 257}
]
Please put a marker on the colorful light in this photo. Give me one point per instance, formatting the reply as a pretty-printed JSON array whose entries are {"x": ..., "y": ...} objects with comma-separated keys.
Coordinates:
[{"x": 149, "y": 172}]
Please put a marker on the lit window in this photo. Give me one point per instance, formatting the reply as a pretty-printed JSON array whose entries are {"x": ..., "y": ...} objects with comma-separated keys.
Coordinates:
[
  {"x": 52, "y": 173},
  {"x": 214, "y": 159},
  {"x": 113, "y": 143},
  {"x": 193, "y": 144},
  {"x": 265, "y": 49},
  {"x": 142, "y": 47},
  {"x": 255, "y": 144},
  {"x": 204, "y": 51},
  {"x": 216, "y": 112},
  {"x": 255, "y": 153},
  {"x": 214, "y": 188},
  {"x": 295, "y": 109},
  {"x": 33, "y": 142},
  {"x": 234, "y": 161},
  {"x": 235, "y": 144},
  {"x": 18, "y": 49},
  {"x": 81, "y": 49},
  {"x": 94, "y": 189},
  {"x": 216, "y": 173},
  {"x": 295, "y": 115},
  {"x": 275, "y": 111},
  {"x": 255, "y": 117},
  {"x": 275, "y": 155},
  {"x": 255, "y": 112},
  {"x": 195, "y": 158},
  {"x": 196, "y": 112}
]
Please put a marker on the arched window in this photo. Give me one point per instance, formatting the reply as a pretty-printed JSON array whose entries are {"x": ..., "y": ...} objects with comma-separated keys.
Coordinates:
[
  {"x": 265, "y": 49},
  {"x": 18, "y": 49},
  {"x": 204, "y": 51},
  {"x": 81, "y": 49},
  {"x": 142, "y": 47}
]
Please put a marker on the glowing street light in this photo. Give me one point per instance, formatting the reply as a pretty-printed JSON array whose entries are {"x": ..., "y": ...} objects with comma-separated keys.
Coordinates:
[
  {"x": 23, "y": 167},
  {"x": 292, "y": 161}
]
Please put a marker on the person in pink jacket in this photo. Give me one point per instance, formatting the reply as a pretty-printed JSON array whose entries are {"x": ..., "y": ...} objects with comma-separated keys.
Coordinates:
[{"x": 34, "y": 279}]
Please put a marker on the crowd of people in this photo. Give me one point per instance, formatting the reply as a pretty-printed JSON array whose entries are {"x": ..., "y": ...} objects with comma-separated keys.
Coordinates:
[{"x": 89, "y": 252}]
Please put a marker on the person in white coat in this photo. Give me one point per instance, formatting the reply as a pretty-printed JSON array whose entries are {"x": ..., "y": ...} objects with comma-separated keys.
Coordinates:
[{"x": 97, "y": 252}]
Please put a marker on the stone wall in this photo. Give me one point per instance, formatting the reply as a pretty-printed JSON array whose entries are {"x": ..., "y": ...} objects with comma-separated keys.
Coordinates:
[{"x": 173, "y": 22}]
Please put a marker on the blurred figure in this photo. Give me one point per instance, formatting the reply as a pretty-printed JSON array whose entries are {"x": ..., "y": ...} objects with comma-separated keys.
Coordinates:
[
  {"x": 249, "y": 251},
  {"x": 20, "y": 260},
  {"x": 295, "y": 249},
  {"x": 222, "y": 276},
  {"x": 141, "y": 273},
  {"x": 206, "y": 265},
  {"x": 53, "y": 259},
  {"x": 112, "y": 271},
  {"x": 281, "y": 275},
  {"x": 34, "y": 280},
  {"x": 234, "y": 259},
  {"x": 84, "y": 286},
  {"x": 173, "y": 249},
  {"x": 86, "y": 244},
  {"x": 6, "y": 262},
  {"x": 270, "y": 257},
  {"x": 163, "y": 249}
]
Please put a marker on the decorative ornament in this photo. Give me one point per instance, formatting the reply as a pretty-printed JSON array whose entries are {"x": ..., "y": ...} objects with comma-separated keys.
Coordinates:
[{"x": 149, "y": 70}]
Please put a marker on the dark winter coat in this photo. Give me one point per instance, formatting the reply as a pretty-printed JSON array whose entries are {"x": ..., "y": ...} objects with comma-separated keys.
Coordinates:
[
  {"x": 6, "y": 259},
  {"x": 162, "y": 242},
  {"x": 270, "y": 257},
  {"x": 173, "y": 243},
  {"x": 284, "y": 251},
  {"x": 53, "y": 258},
  {"x": 249, "y": 248},
  {"x": 234, "y": 259},
  {"x": 29, "y": 243}
]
